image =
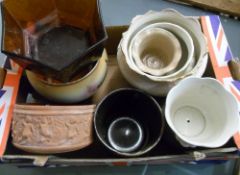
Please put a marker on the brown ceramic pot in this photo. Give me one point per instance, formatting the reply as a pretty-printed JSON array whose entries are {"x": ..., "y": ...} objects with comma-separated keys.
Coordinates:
[{"x": 52, "y": 129}]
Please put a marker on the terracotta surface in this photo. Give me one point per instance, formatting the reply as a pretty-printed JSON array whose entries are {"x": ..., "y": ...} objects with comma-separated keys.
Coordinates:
[{"x": 52, "y": 129}]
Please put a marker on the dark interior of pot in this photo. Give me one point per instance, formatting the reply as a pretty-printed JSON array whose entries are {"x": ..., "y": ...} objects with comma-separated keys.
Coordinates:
[
  {"x": 54, "y": 38},
  {"x": 135, "y": 105}
]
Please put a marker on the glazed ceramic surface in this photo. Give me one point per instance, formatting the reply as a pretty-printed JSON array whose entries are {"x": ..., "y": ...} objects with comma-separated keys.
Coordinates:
[
  {"x": 136, "y": 106},
  {"x": 73, "y": 91},
  {"x": 54, "y": 38},
  {"x": 195, "y": 66},
  {"x": 201, "y": 112},
  {"x": 156, "y": 88},
  {"x": 156, "y": 51},
  {"x": 191, "y": 25},
  {"x": 187, "y": 60},
  {"x": 125, "y": 134}
]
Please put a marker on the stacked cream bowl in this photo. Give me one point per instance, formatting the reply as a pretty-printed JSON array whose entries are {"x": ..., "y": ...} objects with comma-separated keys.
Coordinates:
[{"x": 161, "y": 48}]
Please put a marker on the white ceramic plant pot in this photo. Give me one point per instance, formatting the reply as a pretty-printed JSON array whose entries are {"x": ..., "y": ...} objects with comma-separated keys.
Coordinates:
[
  {"x": 156, "y": 51},
  {"x": 73, "y": 91},
  {"x": 190, "y": 24},
  {"x": 187, "y": 61},
  {"x": 156, "y": 88},
  {"x": 201, "y": 112}
]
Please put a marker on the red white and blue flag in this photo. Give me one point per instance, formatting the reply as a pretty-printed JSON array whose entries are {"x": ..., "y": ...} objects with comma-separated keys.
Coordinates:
[
  {"x": 8, "y": 95},
  {"x": 220, "y": 54}
]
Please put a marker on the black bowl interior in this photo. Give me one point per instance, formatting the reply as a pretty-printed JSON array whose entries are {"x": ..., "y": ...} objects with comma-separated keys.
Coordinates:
[{"x": 133, "y": 104}]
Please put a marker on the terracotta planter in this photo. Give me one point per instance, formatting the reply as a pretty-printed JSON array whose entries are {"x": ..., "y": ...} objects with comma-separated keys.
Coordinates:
[{"x": 52, "y": 129}]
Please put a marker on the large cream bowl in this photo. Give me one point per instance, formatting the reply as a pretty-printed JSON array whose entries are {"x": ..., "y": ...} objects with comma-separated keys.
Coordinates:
[
  {"x": 73, "y": 91},
  {"x": 190, "y": 24},
  {"x": 187, "y": 60},
  {"x": 156, "y": 88}
]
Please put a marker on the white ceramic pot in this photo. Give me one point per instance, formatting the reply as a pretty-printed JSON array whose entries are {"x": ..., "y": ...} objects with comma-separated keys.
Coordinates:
[
  {"x": 156, "y": 88},
  {"x": 190, "y": 24},
  {"x": 74, "y": 91},
  {"x": 156, "y": 51},
  {"x": 187, "y": 61},
  {"x": 201, "y": 112}
]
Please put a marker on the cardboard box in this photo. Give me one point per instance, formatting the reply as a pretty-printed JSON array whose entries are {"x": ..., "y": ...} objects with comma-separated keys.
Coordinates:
[{"x": 97, "y": 154}]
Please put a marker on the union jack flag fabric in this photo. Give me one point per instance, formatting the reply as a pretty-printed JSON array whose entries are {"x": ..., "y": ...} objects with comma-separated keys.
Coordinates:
[
  {"x": 8, "y": 95},
  {"x": 220, "y": 54}
]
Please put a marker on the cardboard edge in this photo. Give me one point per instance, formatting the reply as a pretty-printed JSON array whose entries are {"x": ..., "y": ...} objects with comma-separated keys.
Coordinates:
[
  {"x": 8, "y": 96},
  {"x": 36, "y": 160},
  {"x": 220, "y": 54},
  {"x": 191, "y": 156}
]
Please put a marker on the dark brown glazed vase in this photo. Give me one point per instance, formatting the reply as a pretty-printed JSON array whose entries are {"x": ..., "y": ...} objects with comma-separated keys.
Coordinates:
[{"x": 54, "y": 38}]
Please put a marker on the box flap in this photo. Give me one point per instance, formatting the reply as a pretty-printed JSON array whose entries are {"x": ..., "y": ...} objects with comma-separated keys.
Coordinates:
[
  {"x": 8, "y": 95},
  {"x": 220, "y": 54}
]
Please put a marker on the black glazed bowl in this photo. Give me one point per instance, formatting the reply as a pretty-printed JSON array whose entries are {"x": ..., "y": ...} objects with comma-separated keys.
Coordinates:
[
  {"x": 133, "y": 104},
  {"x": 54, "y": 38}
]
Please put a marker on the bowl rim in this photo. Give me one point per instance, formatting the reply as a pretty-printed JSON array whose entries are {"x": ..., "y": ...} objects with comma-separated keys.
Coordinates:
[
  {"x": 96, "y": 65},
  {"x": 140, "y": 152},
  {"x": 223, "y": 90},
  {"x": 171, "y": 38},
  {"x": 195, "y": 31},
  {"x": 190, "y": 55},
  {"x": 125, "y": 149}
]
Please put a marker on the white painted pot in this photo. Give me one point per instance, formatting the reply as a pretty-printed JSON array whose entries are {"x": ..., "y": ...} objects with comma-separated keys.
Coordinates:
[
  {"x": 190, "y": 24},
  {"x": 187, "y": 61},
  {"x": 156, "y": 51},
  {"x": 201, "y": 112},
  {"x": 156, "y": 88}
]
